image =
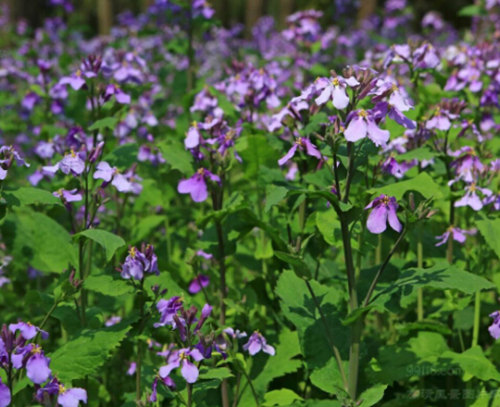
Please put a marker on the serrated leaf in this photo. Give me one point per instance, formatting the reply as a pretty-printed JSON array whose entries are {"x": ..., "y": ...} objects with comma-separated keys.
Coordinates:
[
  {"x": 473, "y": 364},
  {"x": 327, "y": 222},
  {"x": 106, "y": 123},
  {"x": 219, "y": 373},
  {"x": 282, "y": 397},
  {"x": 372, "y": 396},
  {"x": 38, "y": 240},
  {"x": 107, "y": 285},
  {"x": 274, "y": 195},
  {"x": 297, "y": 263},
  {"x": 490, "y": 230},
  {"x": 109, "y": 241},
  {"x": 176, "y": 155},
  {"x": 422, "y": 183},
  {"x": 85, "y": 354},
  {"x": 30, "y": 196}
]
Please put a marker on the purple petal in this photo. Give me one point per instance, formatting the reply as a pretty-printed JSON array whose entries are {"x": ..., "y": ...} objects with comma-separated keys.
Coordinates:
[
  {"x": 340, "y": 98},
  {"x": 37, "y": 368},
  {"x": 189, "y": 371},
  {"x": 356, "y": 130},
  {"x": 288, "y": 155},
  {"x": 377, "y": 219},
  {"x": 377, "y": 135},
  {"x": 72, "y": 397}
]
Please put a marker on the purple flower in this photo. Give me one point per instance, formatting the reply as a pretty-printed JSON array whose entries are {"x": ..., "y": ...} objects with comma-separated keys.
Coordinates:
[
  {"x": 362, "y": 124},
  {"x": 168, "y": 309},
  {"x": 28, "y": 331},
  {"x": 4, "y": 395},
  {"x": 334, "y": 89},
  {"x": 37, "y": 366},
  {"x": 457, "y": 234},
  {"x": 198, "y": 283},
  {"x": 495, "y": 325},
  {"x": 471, "y": 198},
  {"x": 203, "y": 8},
  {"x": 182, "y": 358},
  {"x": 68, "y": 196},
  {"x": 72, "y": 163},
  {"x": 235, "y": 334},
  {"x": 383, "y": 209},
  {"x": 113, "y": 320},
  {"x": 196, "y": 186},
  {"x": 137, "y": 263},
  {"x": 131, "y": 368},
  {"x": 120, "y": 96},
  {"x": 193, "y": 136},
  {"x": 305, "y": 145},
  {"x": 440, "y": 120},
  {"x": 257, "y": 343},
  {"x": 71, "y": 397}
]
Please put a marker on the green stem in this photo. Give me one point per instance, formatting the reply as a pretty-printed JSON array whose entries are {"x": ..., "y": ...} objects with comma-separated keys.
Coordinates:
[
  {"x": 252, "y": 388},
  {"x": 46, "y": 318},
  {"x": 477, "y": 318},
  {"x": 366, "y": 301},
  {"x": 189, "y": 388},
  {"x": 420, "y": 291}
]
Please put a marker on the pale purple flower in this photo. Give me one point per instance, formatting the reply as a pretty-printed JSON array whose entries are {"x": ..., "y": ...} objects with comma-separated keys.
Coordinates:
[
  {"x": 71, "y": 397},
  {"x": 113, "y": 320},
  {"x": 471, "y": 198},
  {"x": 440, "y": 120},
  {"x": 72, "y": 163},
  {"x": 193, "y": 136},
  {"x": 5, "y": 397},
  {"x": 235, "y": 334},
  {"x": 334, "y": 89},
  {"x": 120, "y": 96},
  {"x": 305, "y": 145},
  {"x": 383, "y": 209},
  {"x": 182, "y": 358},
  {"x": 168, "y": 309},
  {"x": 457, "y": 234},
  {"x": 257, "y": 343},
  {"x": 139, "y": 262},
  {"x": 37, "y": 366},
  {"x": 196, "y": 186},
  {"x": 495, "y": 325},
  {"x": 362, "y": 124},
  {"x": 28, "y": 331},
  {"x": 68, "y": 196},
  {"x": 198, "y": 283},
  {"x": 131, "y": 368}
]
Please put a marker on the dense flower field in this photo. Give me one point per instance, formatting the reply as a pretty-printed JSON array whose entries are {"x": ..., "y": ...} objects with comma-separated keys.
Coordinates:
[{"x": 301, "y": 217}]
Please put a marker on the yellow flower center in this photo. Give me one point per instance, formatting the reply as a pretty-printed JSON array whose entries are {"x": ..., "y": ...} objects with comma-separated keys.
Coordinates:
[
  {"x": 73, "y": 154},
  {"x": 132, "y": 252},
  {"x": 36, "y": 349},
  {"x": 363, "y": 113},
  {"x": 335, "y": 82},
  {"x": 201, "y": 171},
  {"x": 62, "y": 389}
]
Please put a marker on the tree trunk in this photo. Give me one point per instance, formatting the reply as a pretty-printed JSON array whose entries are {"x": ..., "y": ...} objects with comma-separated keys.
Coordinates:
[
  {"x": 253, "y": 11},
  {"x": 366, "y": 9},
  {"x": 104, "y": 16},
  {"x": 286, "y": 8}
]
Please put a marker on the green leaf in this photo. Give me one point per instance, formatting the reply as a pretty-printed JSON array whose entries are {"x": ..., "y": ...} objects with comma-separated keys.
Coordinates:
[
  {"x": 327, "y": 222},
  {"x": 422, "y": 153},
  {"x": 418, "y": 356},
  {"x": 298, "y": 264},
  {"x": 123, "y": 157},
  {"x": 176, "y": 155},
  {"x": 372, "y": 396},
  {"x": 107, "y": 285},
  {"x": 473, "y": 364},
  {"x": 219, "y": 373},
  {"x": 109, "y": 241},
  {"x": 30, "y": 196},
  {"x": 490, "y": 229},
  {"x": 471, "y": 11},
  {"x": 106, "y": 123},
  {"x": 85, "y": 354},
  {"x": 442, "y": 276},
  {"x": 274, "y": 195},
  {"x": 328, "y": 377},
  {"x": 422, "y": 183},
  {"x": 283, "y": 397},
  {"x": 38, "y": 240}
]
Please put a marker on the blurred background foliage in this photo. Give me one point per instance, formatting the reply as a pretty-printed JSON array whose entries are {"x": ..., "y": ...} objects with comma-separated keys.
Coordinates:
[{"x": 99, "y": 15}]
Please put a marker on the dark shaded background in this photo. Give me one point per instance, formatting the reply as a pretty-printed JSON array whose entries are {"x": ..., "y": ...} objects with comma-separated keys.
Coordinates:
[{"x": 99, "y": 15}]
